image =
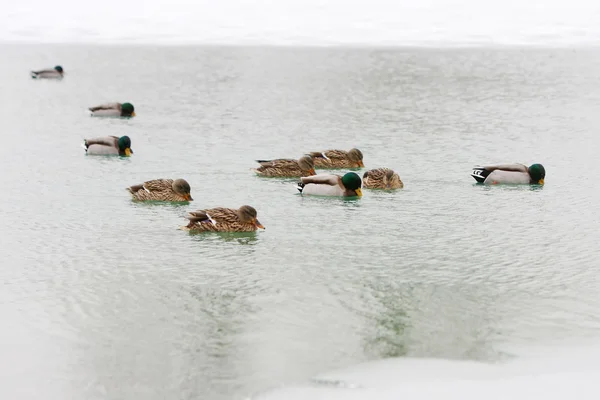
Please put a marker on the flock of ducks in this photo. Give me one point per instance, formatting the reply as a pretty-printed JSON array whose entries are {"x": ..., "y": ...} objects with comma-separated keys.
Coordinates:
[{"x": 244, "y": 219}]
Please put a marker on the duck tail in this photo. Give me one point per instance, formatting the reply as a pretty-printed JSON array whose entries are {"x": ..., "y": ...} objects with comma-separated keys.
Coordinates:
[{"x": 300, "y": 187}]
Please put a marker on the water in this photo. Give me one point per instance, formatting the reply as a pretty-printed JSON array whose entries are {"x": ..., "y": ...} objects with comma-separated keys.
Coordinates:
[
  {"x": 103, "y": 298},
  {"x": 306, "y": 22}
]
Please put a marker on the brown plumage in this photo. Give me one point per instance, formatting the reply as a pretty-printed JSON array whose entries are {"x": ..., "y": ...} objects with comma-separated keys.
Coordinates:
[
  {"x": 382, "y": 178},
  {"x": 284, "y": 167},
  {"x": 223, "y": 220},
  {"x": 338, "y": 159},
  {"x": 162, "y": 190}
]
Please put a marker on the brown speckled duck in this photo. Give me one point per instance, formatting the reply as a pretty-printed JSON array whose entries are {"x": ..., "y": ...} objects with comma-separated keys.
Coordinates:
[
  {"x": 223, "y": 220},
  {"x": 177, "y": 190},
  {"x": 382, "y": 178},
  {"x": 333, "y": 159},
  {"x": 284, "y": 167}
]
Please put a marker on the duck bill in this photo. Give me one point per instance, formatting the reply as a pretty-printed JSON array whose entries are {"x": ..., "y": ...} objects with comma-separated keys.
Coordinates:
[
  {"x": 358, "y": 192},
  {"x": 361, "y": 164},
  {"x": 188, "y": 197},
  {"x": 312, "y": 172},
  {"x": 258, "y": 224},
  {"x": 541, "y": 182},
  {"x": 128, "y": 152},
  {"x": 133, "y": 114}
]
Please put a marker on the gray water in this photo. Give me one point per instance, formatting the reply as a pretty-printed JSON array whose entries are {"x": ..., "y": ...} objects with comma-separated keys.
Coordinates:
[{"x": 103, "y": 298}]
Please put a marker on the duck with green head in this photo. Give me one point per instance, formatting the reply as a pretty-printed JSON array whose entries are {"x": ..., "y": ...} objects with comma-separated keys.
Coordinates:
[
  {"x": 125, "y": 110},
  {"x": 108, "y": 145},
  {"x": 510, "y": 174},
  {"x": 55, "y": 73},
  {"x": 348, "y": 185}
]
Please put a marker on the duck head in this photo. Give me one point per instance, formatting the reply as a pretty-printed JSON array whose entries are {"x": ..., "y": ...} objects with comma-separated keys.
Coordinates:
[
  {"x": 127, "y": 110},
  {"x": 355, "y": 155},
  {"x": 181, "y": 187},
  {"x": 125, "y": 145},
  {"x": 59, "y": 69},
  {"x": 537, "y": 172},
  {"x": 352, "y": 181},
  {"x": 307, "y": 163},
  {"x": 247, "y": 215}
]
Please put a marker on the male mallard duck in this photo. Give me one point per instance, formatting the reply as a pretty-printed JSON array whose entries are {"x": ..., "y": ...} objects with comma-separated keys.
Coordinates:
[
  {"x": 223, "y": 220},
  {"x": 348, "y": 185},
  {"x": 338, "y": 159},
  {"x": 113, "y": 110},
  {"x": 162, "y": 190},
  {"x": 108, "y": 145},
  {"x": 382, "y": 178},
  {"x": 56, "y": 73},
  {"x": 284, "y": 167},
  {"x": 510, "y": 174}
]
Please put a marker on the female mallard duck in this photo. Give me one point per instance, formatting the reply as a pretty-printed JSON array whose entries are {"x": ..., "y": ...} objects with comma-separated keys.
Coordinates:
[
  {"x": 382, "y": 178},
  {"x": 162, "y": 190},
  {"x": 56, "y": 73},
  {"x": 348, "y": 185},
  {"x": 223, "y": 220},
  {"x": 113, "y": 110},
  {"x": 338, "y": 159},
  {"x": 108, "y": 145},
  {"x": 284, "y": 167},
  {"x": 510, "y": 174}
]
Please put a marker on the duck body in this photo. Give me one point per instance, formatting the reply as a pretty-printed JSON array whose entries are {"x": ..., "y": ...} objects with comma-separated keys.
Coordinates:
[
  {"x": 171, "y": 190},
  {"x": 56, "y": 73},
  {"x": 113, "y": 110},
  {"x": 382, "y": 178},
  {"x": 108, "y": 145},
  {"x": 331, "y": 185},
  {"x": 511, "y": 174},
  {"x": 222, "y": 219},
  {"x": 285, "y": 167},
  {"x": 336, "y": 159}
]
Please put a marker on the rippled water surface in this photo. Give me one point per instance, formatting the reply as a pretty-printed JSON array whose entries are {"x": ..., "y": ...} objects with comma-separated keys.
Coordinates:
[{"x": 106, "y": 299}]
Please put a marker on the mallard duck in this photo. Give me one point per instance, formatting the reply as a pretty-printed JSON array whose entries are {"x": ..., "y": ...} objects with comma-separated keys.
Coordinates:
[
  {"x": 510, "y": 174},
  {"x": 56, "y": 73},
  {"x": 348, "y": 185},
  {"x": 162, "y": 190},
  {"x": 284, "y": 167},
  {"x": 108, "y": 145},
  {"x": 223, "y": 220},
  {"x": 113, "y": 110},
  {"x": 382, "y": 178},
  {"x": 338, "y": 159}
]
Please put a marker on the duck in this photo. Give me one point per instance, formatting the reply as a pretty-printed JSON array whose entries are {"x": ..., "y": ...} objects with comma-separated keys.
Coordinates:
[
  {"x": 113, "y": 110},
  {"x": 55, "y": 73},
  {"x": 222, "y": 219},
  {"x": 335, "y": 159},
  {"x": 285, "y": 167},
  {"x": 382, "y": 178},
  {"x": 510, "y": 174},
  {"x": 176, "y": 190},
  {"x": 108, "y": 145},
  {"x": 348, "y": 185}
]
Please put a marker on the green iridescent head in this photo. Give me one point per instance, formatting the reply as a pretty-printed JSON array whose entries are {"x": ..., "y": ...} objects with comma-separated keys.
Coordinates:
[
  {"x": 124, "y": 143},
  {"x": 127, "y": 109},
  {"x": 351, "y": 181},
  {"x": 537, "y": 172},
  {"x": 59, "y": 68}
]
